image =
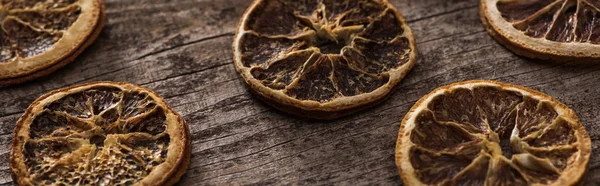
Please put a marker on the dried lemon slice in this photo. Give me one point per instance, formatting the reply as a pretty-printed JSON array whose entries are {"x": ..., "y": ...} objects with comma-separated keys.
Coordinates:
[
  {"x": 101, "y": 133},
  {"x": 490, "y": 133},
  {"x": 41, "y": 36},
  {"x": 546, "y": 29},
  {"x": 323, "y": 58}
]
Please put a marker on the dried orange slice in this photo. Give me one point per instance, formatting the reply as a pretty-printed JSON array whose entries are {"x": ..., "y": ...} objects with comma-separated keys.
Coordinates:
[
  {"x": 323, "y": 58},
  {"x": 101, "y": 133},
  {"x": 491, "y": 133},
  {"x": 41, "y": 36},
  {"x": 545, "y": 29}
]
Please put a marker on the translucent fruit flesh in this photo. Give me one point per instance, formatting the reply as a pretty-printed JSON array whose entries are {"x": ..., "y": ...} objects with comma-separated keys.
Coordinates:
[
  {"x": 555, "y": 20},
  {"x": 490, "y": 135},
  {"x": 322, "y": 50},
  {"x": 102, "y": 135},
  {"x": 30, "y": 28}
]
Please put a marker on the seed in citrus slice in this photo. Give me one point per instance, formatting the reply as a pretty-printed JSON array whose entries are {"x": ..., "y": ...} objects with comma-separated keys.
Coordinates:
[
  {"x": 102, "y": 133},
  {"x": 491, "y": 133},
  {"x": 545, "y": 29},
  {"x": 323, "y": 58},
  {"x": 39, "y": 37}
]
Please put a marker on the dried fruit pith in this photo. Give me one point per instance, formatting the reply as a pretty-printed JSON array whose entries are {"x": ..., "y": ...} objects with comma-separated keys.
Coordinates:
[
  {"x": 323, "y": 58},
  {"x": 40, "y": 36},
  {"x": 100, "y": 134},
  {"x": 547, "y": 29},
  {"x": 490, "y": 133}
]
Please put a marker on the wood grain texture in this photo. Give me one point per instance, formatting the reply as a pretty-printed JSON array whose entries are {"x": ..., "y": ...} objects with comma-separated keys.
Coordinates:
[{"x": 182, "y": 50}]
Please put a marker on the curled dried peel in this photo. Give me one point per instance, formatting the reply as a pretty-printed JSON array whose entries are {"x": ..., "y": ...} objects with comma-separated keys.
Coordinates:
[
  {"x": 325, "y": 58},
  {"x": 491, "y": 133},
  {"x": 103, "y": 134},
  {"x": 38, "y": 36},
  {"x": 546, "y": 29}
]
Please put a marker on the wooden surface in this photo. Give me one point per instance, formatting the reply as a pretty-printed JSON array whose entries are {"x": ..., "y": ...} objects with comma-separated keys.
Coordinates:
[{"x": 182, "y": 50}]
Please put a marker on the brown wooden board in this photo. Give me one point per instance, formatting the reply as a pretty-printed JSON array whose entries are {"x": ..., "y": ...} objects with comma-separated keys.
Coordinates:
[{"x": 182, "y": 50}]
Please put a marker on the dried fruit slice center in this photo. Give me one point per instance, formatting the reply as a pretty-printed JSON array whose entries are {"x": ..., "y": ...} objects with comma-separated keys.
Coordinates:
[
  {"x": 556, "y": 20},
  {"x": 537, "y": 28},
  {"x": 39, "y": 36},
  {"x": 33, "y": 27},
  {"x": 104, "y": 135},
  {"x": 322, "y": 50},
  {"x": 494, "y": 133}
]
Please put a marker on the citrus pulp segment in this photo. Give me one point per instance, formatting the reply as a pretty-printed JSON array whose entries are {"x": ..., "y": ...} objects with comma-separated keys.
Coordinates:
[
  {"x": 101, "y": 133},
  {"x": 545, "y": 29},
  {"x": 491, "y": 133},
  {"x": 39, "y": 36},
  {"x": 323, "y": 58}
]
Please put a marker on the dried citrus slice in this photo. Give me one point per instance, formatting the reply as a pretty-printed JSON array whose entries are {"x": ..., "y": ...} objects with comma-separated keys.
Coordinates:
[
  {"x": 545, "y": 29},
  {"x": 101, "y": 133},
  {"x": 323, "y": 58},
  {"x": 491, "y": 133},
  {"x": 40, "y": 36}
]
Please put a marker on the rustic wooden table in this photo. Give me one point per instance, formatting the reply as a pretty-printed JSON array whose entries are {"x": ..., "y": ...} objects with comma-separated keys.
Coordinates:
[{"x": 182, "y": 50}]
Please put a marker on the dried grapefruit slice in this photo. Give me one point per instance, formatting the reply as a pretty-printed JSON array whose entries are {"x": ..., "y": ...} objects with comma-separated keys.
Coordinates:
[
  {"x": 545, "y": 29},
  {"x": 38, "y": 37},
  {"x": 323, "y": 58},
  {"x": 490, "y": 133},
  {"x": 101, "y": 133}
]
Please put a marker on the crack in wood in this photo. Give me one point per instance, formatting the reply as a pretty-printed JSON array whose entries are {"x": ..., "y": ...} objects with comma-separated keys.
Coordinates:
[
  {"x": 188, "y": 73},
  {"x": 441, "y": 14},
  {"x": 460, "y": 35},
  {"x": 228, "y": 34}
]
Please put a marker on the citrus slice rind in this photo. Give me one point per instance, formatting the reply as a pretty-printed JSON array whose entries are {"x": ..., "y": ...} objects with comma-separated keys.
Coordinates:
[
  {"x": 545, "y": 29},
  {"x": 489, "y": 133},
  {"x": 322, "y": 59},
  {"x": 38, "y": 37},
  {"x": 100, "y": 133}
]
